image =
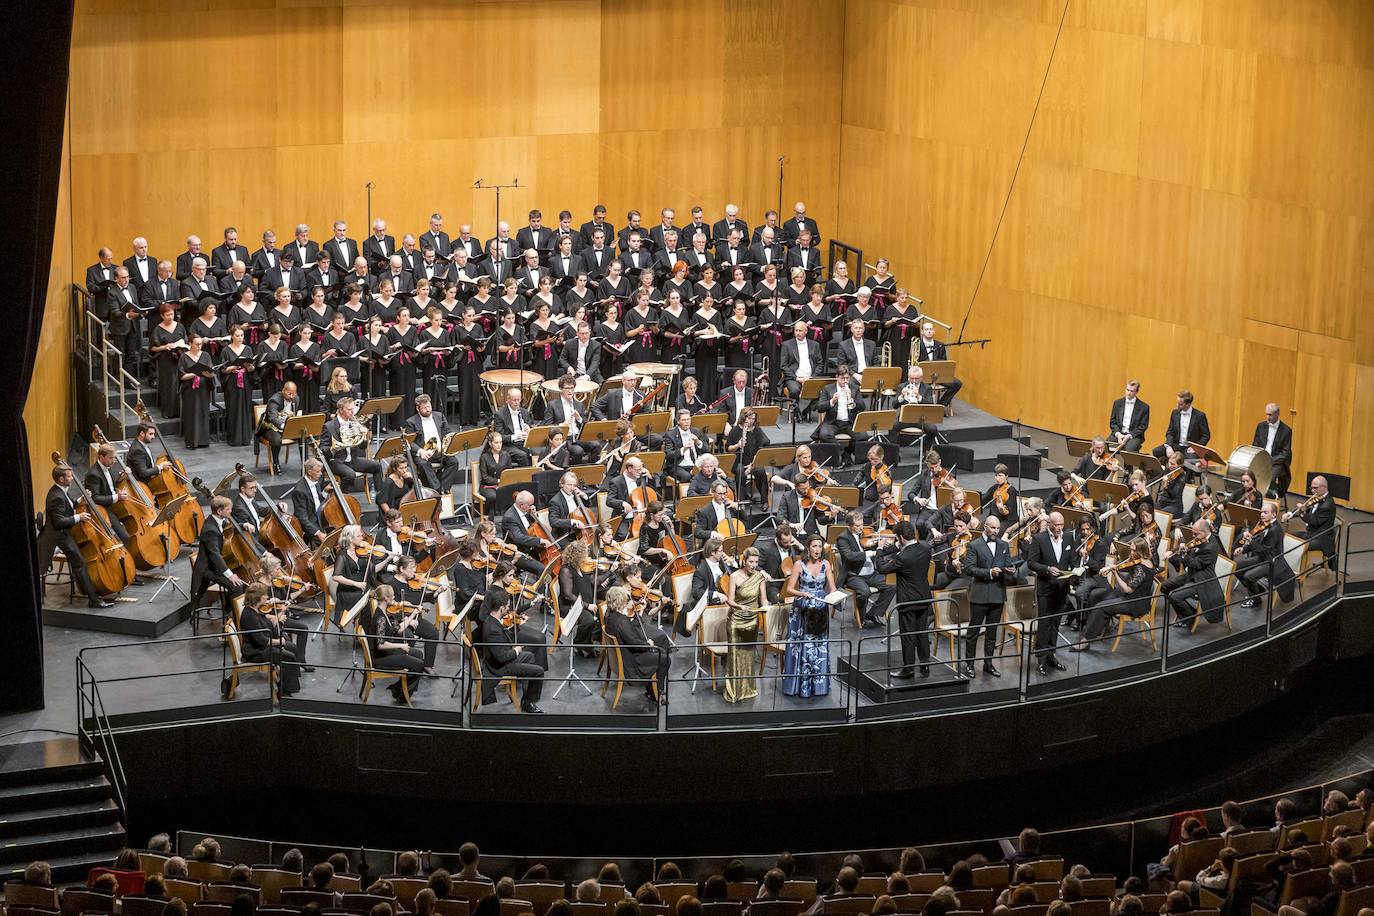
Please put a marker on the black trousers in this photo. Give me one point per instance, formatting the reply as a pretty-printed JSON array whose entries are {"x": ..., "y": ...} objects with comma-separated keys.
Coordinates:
[
  {"x": 286, "y": 657},
  {"x": 427, "y": 631},
  {"x": 1048, "y": 609},
  {"x": 1251, "y": 570},
  {"x": 951, "y": 389},
  {"x": 76, "y": 563},
  {"x": 915, "y": 644},
  {"x": 1110, "y": 609},
  {"x": 273, "y": 439},
  {"x": 873, "y": 587},
  {"x": 350, "y": 473},
  {"x": 529, "y": 667},
  {"x": 399, "y": 660},
  {"x": 983, "y": 620},
  {"x": 1133, "y": 444},
  {"x": 681, "y": 474}
]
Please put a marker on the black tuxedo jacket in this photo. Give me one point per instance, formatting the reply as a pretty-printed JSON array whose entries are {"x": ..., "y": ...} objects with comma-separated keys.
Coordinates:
[
  {"x": 832, "y": 411},
  {"x": 242, "y": 515},
  {"x": 340, "y": 260},
  {"x": 664, "y": 261},
  {"x": 933, "y": 352},
  {"x": 703, "y": 583},
  {"x": 210, "y": 556},
  {"x": 274, "y": 279},
  {"x": 982, "y": 558},
  {"x": 553, "y": 412},
  {"x": 1198, "y": 430},
  {"x": 504, "y": 423},
  {"x": 596, "y": 261},
  {"x": 440, "y": 243},
  {"x": 560, "y": 271},
  {"x": 541, "y": 240},
  {"x": 911, "y": 564},
  {"x": 1040, "y": 558},
  {"x": 529, "y": 279},
  {"x": 673, "y": 446},
  {"x": 303, "y": 506},
  {"x": 807, "y": 258},
  {"x": 792, "y": 230},
  {"x": 223, "y": 257},
  {"x": 118, "y": 304},
  {"x": 509, "y": 249},
  {"x": 851, "y": 552},
  {"x": 263, "y": 261},
  {"x": 95, "y": 277},
  {"x": 776, "y": 254},
  {"x": 791, "y": 359},
  {"x": 589, "y": 227},
  {"x": 183, "y": 265},
  {"x": 498, "y": 271},
  {"x": 434, "y": 271},
  {"x": 471, "y": 245},
  {"x": 378, "y": 252},
  {"x": 305, "y": 255},
  {"x": 135, "y": 278},
  {"x": 59, "y": 516},
  {"x": 559, "y": 235},
  {"x": 95, "y": 482},
  {"x": 721, "y": 229},
  {"x": 191, "y": 288},
  {"x": 705, "y": 521},
  {"x": 414, "y": 425},
  {"x": 410, "y": 261},
  {"x": 139, "y": 461},
  {"x": 560, "y": 514},
  {"x": 611, "y": 405},
  {"x": 636, "y": 261},
  {"x": 515, "y": 532},
  {"x": 159, "y": 291},
  {"x": 229, "y": 284},
  {"x": 1283, "y": 443},
  {"x": 400, "y": 283},
  {"x": 330, "y": 280},
  {"x": 656, "y": 236},
  {"x": 727, "y": 406},
  {"x": 618, "y": 492},
  {"x": 1140, "y": 417},
  {"x": 850, "y": 354}
]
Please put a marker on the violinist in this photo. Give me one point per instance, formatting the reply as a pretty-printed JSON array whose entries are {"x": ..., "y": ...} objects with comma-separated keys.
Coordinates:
[
  {"x": 1318, "y": 515},
  {"x": 399, "y": 541},
  {"x": 1093, "y": 548},
  {"x": 840, "y": 405},
  {"x": 1097, "y": 464},
  {"x": 1195, "y": 580},
  {"x": 508, "y": 653},
  {"x": 518, "y": 524},
  {"x": 392, "y": 636},
  {"x": 262, "y": 626},
  {"x": 420, "y": 592},
  {"x": 625, "y": 490},
  {"x": 921, "y": 503},
  {"x": 1002, "y": 499},
  {"x": 958, "y": 502},
  {"x": 651, "y": 603},
  {"x": 1128, "y": 593},
  {"x": 682, "y": 446},
  {"x": 1139, "y": 491},
  {"x": 1169, "y": 495},
  {"x": 804, "y": 464},
  {"x": 708, "y": 474},
  {"x": 1070, "y": 492},
  {"x": 210, "y": 565},
  {"x": 467, "y": 579},
  {"x": 60, "y": 515},
  {"x": 713, "y": 566},
  {"x": 872, "y": 593},
  {"x": 354, "y": 575},
  {"x": 803, "y": 508},
  {"x": 874, "y": 476},
  {"x": 886, "y": 513},
  {"x": 1259, "y": 555},
  {"x": 646, "y": 656},
  {"x": 580, "y": 576},
  {"x": 778, "y": 557},
  {"x": 1249, "y": 494},
  {"x": 100, "y": 480},
  {"x": 710, "y": 516},
  {"x": 1143, "y": 524},
  {"x": 1206, "y": 505},
  {"x": 952, "y": 557}
]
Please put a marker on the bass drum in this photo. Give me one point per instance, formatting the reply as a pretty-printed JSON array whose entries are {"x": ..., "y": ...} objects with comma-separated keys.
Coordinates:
[{"x": 1254, "y": 459}]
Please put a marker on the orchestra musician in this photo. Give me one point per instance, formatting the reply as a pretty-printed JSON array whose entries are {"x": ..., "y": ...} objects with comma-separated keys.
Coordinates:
[
  {"x": 1318, "y": 514},
  {"x": 803, "y": 510},
  {"x": 516, "y": 524},
  {"x": 872, "y": 593},
  {"x": 801, "y": 359},
  {"x": 307, "y": 501},
  {"x": 711, "y": 515},
  {"x": 1093, "y": 548},
  {"x": 909, "y": 559},
  {"x": 262, "y": 628},
  {"x": 840, "y": 402},
  {"x": 619, "y": 490},
  {"x": 437, "y": 470},
  {"x": 737, "y": 397},
  {"x": 245, "y": 509},
  {"x": 566, "y": 410},
  {"x": 917, "y": 391},
  {"x": 1259, "y": 557},
  {"x": 345, "y": 440},
  {"x": 645, "y": 656},
  {"x": 513, "y": 422},
  {"x": 280, "y": 407},
  {"x": 210, "y": 566},
  {"x": 1196, "y": 578},
  {"x": 1169, "y": 495},
  {"x": 931, "y": 350},
  {"x": 1186, "y": 425},
  {"x": 1276, "y": 437},
  {"x": 1002, "y": 499},
  {"x": 60, "y": 516},
  {"x": 617, "y": 402},
  {"x": 775, "y": 556},
  {"x": 1097, "y": 464},
  {"x": 856, "y": 351},
  {"x": 391, "y": 633},
  {"x": 1205, "y": 504},
  {"x": 506, "y": 654},
  {"x": 1129, "y": 420},
  {"x": 1070, "y": 492},
  {"x": 711, "y": 567},
  {"x": 682, "y": 446},
  {"x": 1125, "y": 591},
  {"x": 707, "y": 475},
  {"x": 1248, "y": 495},
  {"x": 101, "y": 481},
  {"x": 922, "y": 504},
  {"x": 744, "y": 441},
  {"x": 952, "y": 558}
]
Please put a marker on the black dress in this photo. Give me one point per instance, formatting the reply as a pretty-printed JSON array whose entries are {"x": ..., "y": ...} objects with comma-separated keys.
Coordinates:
[
  {"x": 884, "y": 291},
  {"x": 168, "y": 387},
  {"x": 384, "y": 310},
  {"x": 819, "y": 320},
  {"x": 289, "y": 320},
  {"x": 708, "y": 352},
  {"x": 435, "y": 368},
  {"x": 642, "y": 348},
  {"x": 511, "y": 359},
  {"x": 306, "y": 374},
  {"x": 238, "y": 395},
  {"x": 373, "y": 370},
  {"x": 739, "y": 353},
  {"x": 195, "y": 399},
  {"x": 770, "y": 340},
  {"x": 699, "y": 291},
  {"x": 610, "y": 337},
  {"x": 320, "y": 321},
  {"x": 355, "y": 319},
  {"x": 469, "y": 373},
  {"x": 255, "y": 318},
  {"x": 351, "y": 566},
  {"x": 901, "y": 335},
  {"x": 403, "y": 373},
  {"x": 271, "y": 375},
  {"x": 343, "y": 347},
  {"x": 211, "y": 331},
  {"x": 544, "y": 359},
  {"x": 674, "y": 336}
]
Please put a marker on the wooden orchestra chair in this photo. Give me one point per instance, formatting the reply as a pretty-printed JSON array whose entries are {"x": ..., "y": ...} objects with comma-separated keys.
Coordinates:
[
  {"x": 478, "y": 499},
  {"x": 1225, "y": 571},
  {"x": 949, "y": 614},
  {"x": 833, "y": 556},
  {"x": 1145, "y": 623},
  {"x": 238, "y": 667},
  {"x": 371, "y": 674},
  {"x": 258, "y": 442},
  {"x": 711, "y": 635},
  {"x": 774, "y": 635},
  {"x": 1018, "y": 615},
  {"x": 616, "y": 671}
]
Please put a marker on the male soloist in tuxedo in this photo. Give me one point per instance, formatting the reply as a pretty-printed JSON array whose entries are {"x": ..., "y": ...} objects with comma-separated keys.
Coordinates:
[
  {"x": 1276, "y": 437},
  {"x": 990, "y": 566},
  {"x": 910, "y": 559},
  {"x": 1052, "y": 554},
  {"x": 1130, "y": 419}
]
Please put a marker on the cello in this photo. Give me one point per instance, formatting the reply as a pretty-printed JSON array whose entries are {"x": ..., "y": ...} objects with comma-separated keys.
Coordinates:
[
  {"x": 171, "y": 481},
  {"x": 283, "y": 534},
  {"x": 137, "y": 511},
  {"x": 640, "y": 497},
  {"x": 674, "y": 544},
  {"x": 550, "y": 556},
  {"x": 241, "y": 552},
  {"x": 340, "y": 508},
  {"x": 108, "y": 561}
]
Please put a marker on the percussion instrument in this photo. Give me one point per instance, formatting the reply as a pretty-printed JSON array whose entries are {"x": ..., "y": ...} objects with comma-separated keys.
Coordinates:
[
  {"x": 584, "y": 392},
  {"x": 497, "y": 381},
  {"x": 651, "y": 373},
  {"x": 1254, "y": 459}
]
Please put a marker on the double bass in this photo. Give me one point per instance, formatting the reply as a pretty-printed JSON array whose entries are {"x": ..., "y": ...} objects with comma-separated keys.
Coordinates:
[
  {"x": 108, "y": 561},
  {"x": 340, "y": 508},
  {"x": 241, "y": 552},
  {"x": 283, "y": 534},
  {"x": 137, "y": 511},
  {"x": 170, "y": 482}
]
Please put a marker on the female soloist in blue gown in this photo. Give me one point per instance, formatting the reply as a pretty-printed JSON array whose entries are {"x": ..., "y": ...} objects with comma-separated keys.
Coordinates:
[{"x": 806, "y": 662}]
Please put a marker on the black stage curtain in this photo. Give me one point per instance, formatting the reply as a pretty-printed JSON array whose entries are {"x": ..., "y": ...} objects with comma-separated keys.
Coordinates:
[{"x": 35, "y": 83}]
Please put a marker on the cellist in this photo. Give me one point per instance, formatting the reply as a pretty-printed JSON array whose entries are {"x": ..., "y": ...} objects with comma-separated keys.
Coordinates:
[
  {"x": 568, "y": 510},
  {"x": 60, "y": 516},
  {"x": 658, "y": 524},
  {"x": 517, "y": 523}
]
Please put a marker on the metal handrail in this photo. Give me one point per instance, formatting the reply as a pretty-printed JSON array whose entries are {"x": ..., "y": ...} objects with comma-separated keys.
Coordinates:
[{"x": 109, "y": 751}]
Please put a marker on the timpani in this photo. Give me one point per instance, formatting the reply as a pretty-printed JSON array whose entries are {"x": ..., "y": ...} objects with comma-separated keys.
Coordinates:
[{"x": 497, "y": 381}]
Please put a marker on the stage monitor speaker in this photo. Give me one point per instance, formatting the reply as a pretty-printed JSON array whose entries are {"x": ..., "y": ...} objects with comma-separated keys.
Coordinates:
[
  {"x": 956, "y": 456},
  {"x": 1337, "y": 484},
  {"x": 1029, "y": 462}
]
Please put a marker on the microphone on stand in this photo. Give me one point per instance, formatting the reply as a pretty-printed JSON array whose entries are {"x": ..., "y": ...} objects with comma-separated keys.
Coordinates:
[{"x": 477, "y": 183}]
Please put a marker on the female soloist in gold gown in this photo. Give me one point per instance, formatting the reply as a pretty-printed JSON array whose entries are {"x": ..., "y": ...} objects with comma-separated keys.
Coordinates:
[{"x": 742, "y": 625}]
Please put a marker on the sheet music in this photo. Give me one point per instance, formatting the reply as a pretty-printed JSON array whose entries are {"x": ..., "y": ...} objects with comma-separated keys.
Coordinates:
[
  {"x": 570, "y": 619},
  {"x": 694, "y": 615}
]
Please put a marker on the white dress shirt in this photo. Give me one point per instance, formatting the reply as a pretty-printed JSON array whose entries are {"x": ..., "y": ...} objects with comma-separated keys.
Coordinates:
[{"x": 1126, "y": 411}]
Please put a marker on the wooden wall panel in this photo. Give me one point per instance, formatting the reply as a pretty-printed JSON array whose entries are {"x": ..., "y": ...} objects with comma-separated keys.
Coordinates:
[{"x": 1193, "y": 207}]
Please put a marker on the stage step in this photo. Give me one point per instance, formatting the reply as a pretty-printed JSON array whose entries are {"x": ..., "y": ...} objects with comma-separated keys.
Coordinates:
[{"x": 56, "y": 805}]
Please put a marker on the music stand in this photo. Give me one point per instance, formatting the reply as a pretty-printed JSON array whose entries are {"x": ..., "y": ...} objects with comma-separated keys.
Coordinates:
[
  {"x": 1142, "y": 460},
  {"x": 298, "y": 427},
  {"x": 912, "y": 419},
  {"x": 727, "y": 461},
  {"x": 687, "y": 507},
  {"x": 464, "y": 442},
  {"x": 1078, "y": 447},
  {"x": 375, "y": 407},
  {"x": 736, "y": 546},
  {"x": 512, "y": 476},
  {"x": 390, "y": 447},
  {"x": 414, "y": 510},
  {"x": 767, "y": 414},
  {"x": 1206, "y": 458},
  {"x": 1073, "y": 516},
  {"x": 938, "y": 369},
  {"x": 879, "y": 380},
  {"x": 538, "y": 436},
  {"x": 601, "y": 431},
  {"x": 568, "y": 624},
  {"x": 652, "y": 461},
  {"x": 589, "y": 475},
  {"x": 711, "y": 423},
  {"x": 1104, "y": 493},
  {"x": 225, "y": 482},
  {"x": 810, "y": 391},
  {"x": 652, "y": 424},
  {"x": 876, "y": 423},
  {"x": 165, "y": 516}
]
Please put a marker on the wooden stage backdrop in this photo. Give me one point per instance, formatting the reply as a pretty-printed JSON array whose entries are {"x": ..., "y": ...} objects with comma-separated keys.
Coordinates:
[{"x": 1193, "y": 209}]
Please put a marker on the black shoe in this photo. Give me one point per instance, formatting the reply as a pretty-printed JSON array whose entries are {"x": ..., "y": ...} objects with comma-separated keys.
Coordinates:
[
  {"x": 1082, "y": 646},
  {"x": 925, "y": 671},
  {"x": 1076, "y": 626},
  {"x": 905, "y": 674},
  {"x": 99, "y": 602},
  {"x": 224, "y": 689},
  {"x": 529, "y": 707},
  {"x": 1055, "y": 663},
  {"x": 990, "y": 669},
  {"x": 967, "y": 670},
  {"x": 872, "y": 622},
  {"x": 1043, "y": 669},
  {"x": 1250, "y": 602},
  {"x": 308, "y": 669}
]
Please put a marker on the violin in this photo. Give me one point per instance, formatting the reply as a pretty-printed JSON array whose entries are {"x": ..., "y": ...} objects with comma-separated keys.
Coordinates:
[
  {"x": 643, "y": 594},
  {"x": 1087, "y": 546},
  {"x": 942, "y": 477},
  {"x": 880, "y": 475},
  {"x": 817, "y": 501},
  {"x": 600, "y": 564},
  {"x": 367, "y": 548},
  {"x": 1000, "y": 497},
  {"x": 1253, "y": 532},
  {"x": 288, "y": 581},
  {"x": 1076, "y": 498},
  {"x": 520, "y": 589},
  {"x": 427, "y": 583},
  {"x": 890, "y": 515},
  {"x": 512, "y": 618},
  {"x": 502, "y": 548},
  {"x": 410, "y": 535},
  {"x": 959, "y": 547},
  {"x": 818, "y": 475}
]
